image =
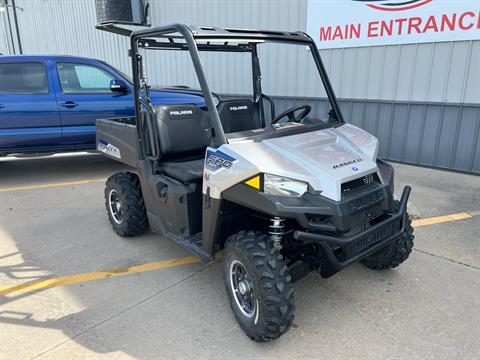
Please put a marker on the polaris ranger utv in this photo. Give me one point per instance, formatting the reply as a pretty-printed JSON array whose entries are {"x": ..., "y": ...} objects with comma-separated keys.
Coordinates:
[{"x": 279, "y": 194}]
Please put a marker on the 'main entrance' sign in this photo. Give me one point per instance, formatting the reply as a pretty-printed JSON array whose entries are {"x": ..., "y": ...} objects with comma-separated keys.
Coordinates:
[{"x": 351, "y": 23}]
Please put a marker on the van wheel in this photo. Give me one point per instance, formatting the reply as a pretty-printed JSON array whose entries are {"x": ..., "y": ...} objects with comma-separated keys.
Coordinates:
[
  {"x": 258, "y": 286},
  {"x": 124, "y": 204}
]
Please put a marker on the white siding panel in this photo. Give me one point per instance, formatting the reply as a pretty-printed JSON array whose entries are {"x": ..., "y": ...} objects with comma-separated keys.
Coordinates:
[
  {"x": 472, "y": 86},
  {"x": 390, "y": 72},
  {"x": 440, "y": 68},
  {"x": 362, "y": 72},
  {"x": 4, "y": 49},
  {"x": 458, "y": 71},
  {"x": 421, "y": 72},
  {"x": 377, "y": 61},
  {"x": 405, "y": 71}
]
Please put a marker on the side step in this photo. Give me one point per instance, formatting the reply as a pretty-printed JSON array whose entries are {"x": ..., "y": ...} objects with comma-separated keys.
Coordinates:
[{"x": 193, "y": 244}]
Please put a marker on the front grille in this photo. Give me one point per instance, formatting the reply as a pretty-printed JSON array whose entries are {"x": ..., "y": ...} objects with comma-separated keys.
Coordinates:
[
  {"x": 363, "y": 217},
  {"x": 360, "y": 182},
  {"x": 377, "y": 236}
]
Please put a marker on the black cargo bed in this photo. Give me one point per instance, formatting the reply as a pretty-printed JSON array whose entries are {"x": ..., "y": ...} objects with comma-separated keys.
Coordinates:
[{"x": 117, "y": 139}]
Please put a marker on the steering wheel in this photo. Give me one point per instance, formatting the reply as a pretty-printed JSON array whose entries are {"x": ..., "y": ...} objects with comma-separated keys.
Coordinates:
[{"x": 290, "y": 113}]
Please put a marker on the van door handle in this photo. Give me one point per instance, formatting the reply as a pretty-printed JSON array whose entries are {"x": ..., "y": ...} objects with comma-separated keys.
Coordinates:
[
  {"x": 69, "y": 104},
  {"x": 2, "y": 106}
]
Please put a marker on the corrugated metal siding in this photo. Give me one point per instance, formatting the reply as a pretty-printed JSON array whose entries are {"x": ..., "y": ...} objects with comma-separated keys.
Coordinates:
[
  {"x": 4, "y": 47},
  {"x": 415, "y": 97},
  {"x": 431, "y": 72},
  {"x": 3, "y": 38},
  {"x": 68, "y": 28}
]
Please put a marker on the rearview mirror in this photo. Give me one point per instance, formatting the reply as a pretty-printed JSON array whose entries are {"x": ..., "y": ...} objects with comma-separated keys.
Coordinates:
[{"x": 118, "y": 86}]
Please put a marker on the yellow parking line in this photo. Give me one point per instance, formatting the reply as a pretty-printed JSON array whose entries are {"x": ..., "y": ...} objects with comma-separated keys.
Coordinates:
[
  {"x": 50, "y": 185},
  {"x": 440, "y": 219},
  {"x": 164, "y": 264},
  {"x": 80, "y": 278}
]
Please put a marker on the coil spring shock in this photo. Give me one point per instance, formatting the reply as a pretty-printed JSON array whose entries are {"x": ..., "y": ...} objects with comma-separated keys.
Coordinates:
[{"x": 276, "y": 231}]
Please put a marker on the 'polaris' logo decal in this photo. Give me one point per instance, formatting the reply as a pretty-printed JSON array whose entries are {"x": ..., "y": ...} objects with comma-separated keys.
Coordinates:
[
  {"x": 236, "y": 108},
  {"x": 109, "y": 149},
  {"x": 346, "y": 163},
  {"x": 181, "y": 112}
]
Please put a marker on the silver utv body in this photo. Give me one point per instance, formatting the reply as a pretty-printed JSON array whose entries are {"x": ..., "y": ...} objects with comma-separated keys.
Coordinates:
[
  {"x": 325, "y": 159},
  {"x": 347, "y": 210}
]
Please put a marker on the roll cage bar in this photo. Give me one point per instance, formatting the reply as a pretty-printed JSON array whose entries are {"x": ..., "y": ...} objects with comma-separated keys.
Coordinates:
[{"x": 207, "y": 38}]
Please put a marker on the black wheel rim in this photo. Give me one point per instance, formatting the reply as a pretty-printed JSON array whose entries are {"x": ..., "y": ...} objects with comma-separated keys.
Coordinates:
[
  {"x": 242, "y": 289},
  {"x": 116, "y": 208}
]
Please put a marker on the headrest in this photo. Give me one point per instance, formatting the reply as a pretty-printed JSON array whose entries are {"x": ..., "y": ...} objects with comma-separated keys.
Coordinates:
[
  {"x": 238, "y": 115},
  {"x": 182, "y": 128}
]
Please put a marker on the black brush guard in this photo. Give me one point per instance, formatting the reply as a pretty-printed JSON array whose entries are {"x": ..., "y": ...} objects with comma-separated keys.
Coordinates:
[{"x": 369, "y": 241}]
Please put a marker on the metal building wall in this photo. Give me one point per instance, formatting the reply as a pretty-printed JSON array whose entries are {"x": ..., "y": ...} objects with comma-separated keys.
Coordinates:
[
  {"x": 4, "y": 44},
  {"x": 421, "y": 100}
]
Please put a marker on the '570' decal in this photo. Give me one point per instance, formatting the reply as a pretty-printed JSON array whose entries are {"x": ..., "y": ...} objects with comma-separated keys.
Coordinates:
[{"x": 216, "y": 160}]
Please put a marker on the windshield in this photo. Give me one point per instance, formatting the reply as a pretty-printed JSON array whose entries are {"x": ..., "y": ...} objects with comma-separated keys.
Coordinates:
[
  {"x": 291, "y": 78},
  {"x": 123, "y": 74},
  {"x": 271, "y": 87}
]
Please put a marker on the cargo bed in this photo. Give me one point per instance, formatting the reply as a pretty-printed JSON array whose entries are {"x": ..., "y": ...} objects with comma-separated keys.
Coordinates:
[{"x": 117, "y": 138}]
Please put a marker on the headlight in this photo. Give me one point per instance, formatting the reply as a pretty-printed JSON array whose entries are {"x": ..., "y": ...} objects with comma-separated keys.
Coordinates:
[{"x": 279, "y": 185}]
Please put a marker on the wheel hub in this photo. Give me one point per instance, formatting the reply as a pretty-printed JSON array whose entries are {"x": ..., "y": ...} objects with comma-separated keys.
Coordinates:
[
  {"x": 115, "y": 205},
  {"x": 245, "y": 287},
  {"x": 242, "y": 289}
]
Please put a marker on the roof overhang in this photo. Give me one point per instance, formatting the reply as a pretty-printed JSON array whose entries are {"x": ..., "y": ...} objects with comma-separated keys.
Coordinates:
[{"x": 207, "y": 38}]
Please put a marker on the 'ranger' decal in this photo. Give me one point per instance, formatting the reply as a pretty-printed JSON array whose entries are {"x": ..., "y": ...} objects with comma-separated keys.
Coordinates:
[
  {"x": 109, "y": 149},
  {"x": 346, "y": 163}
]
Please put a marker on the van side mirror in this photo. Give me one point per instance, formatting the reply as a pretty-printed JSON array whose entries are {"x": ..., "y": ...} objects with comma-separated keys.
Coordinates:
[{"x": 118, "y": 86}]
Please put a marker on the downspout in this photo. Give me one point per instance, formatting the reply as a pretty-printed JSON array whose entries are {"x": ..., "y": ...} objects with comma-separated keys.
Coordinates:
[
  {"x": 10, "y": 28},
  {"x": 15, "y": 19}
]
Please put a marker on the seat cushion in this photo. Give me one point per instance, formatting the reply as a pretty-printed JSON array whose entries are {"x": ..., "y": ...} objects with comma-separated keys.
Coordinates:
[{"x": 184, "y": 171}]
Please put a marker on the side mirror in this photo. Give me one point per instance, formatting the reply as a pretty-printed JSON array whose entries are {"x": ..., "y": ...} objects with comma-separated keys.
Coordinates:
[{"x": 118, "y": 86}]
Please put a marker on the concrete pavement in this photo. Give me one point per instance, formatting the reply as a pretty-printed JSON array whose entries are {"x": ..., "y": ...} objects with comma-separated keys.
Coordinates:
[{"x": 427, "y": 308}]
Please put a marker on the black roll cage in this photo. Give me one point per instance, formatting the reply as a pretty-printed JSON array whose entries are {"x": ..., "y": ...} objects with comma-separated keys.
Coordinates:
[{"x": 206, "y": 38}]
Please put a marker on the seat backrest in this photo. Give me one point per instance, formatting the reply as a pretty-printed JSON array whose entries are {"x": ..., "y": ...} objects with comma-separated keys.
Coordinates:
[
  {"x": 238, "y": 115},
  {"x": 183, "y": 130}
]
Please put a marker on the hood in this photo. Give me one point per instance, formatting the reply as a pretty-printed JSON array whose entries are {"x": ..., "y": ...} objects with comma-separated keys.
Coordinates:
[
  {"x": 170, "y": 97},
  {"x": 324, "y": 158}
]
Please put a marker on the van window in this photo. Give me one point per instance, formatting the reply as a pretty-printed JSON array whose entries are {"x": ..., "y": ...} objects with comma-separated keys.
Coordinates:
[
  {"x": 23, "y": 78},
  {"x": 81, "y": 78}
]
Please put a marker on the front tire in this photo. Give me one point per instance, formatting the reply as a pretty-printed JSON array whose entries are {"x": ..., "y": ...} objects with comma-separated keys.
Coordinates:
[
  {"x": 394, "y": 253},
  {"x": 124, "y": 203},
  {"x": 258, "y": 286}
]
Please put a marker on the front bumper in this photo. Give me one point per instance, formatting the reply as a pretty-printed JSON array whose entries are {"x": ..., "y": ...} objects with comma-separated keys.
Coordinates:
[{"x": 363, "y": 244}]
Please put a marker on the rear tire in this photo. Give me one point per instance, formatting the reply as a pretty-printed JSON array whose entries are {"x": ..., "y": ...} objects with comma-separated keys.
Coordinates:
[
  {"x": 124, "y": 203},
  {"x": 263, "y": 301},
  {"x": 394, "y": 253}
]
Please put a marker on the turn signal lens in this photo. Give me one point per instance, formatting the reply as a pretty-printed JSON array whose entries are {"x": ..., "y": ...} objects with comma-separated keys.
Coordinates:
[{"x": 254, "y": 182}]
